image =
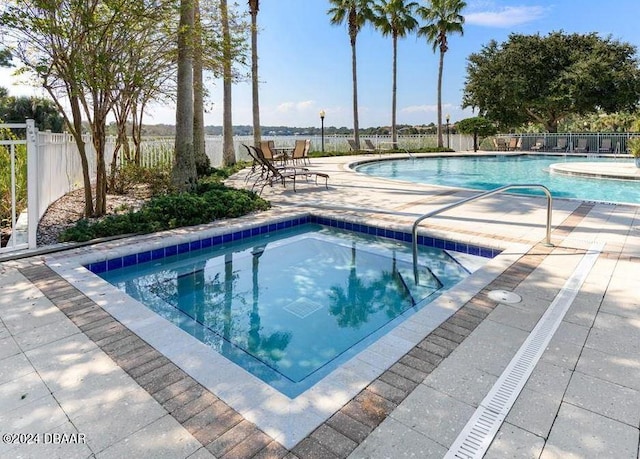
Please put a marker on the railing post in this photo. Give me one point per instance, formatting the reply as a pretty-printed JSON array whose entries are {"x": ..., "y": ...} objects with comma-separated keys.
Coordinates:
[{"x": 32, "y": 183}]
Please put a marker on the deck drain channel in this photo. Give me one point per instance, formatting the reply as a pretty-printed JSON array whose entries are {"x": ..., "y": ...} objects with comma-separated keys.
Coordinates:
[{"x": 477, "y": 435}]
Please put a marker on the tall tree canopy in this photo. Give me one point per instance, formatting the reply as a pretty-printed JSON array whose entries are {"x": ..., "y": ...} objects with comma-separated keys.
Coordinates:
[
  {"x": 444, "y": 17},
  {"x": 43, "y": 111},
  {"x": 395, "y": 18},
  {"x": 81, "y": 53},
  {"x": 478, "y": 126},
  {"x": 542, "y": 79},
  {"x": 355, "y": 13},
  {"x": 5, "y": 58}
]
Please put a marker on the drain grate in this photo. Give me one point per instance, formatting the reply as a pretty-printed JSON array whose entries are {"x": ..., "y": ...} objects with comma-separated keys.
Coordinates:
[
  {"x": 302, "y": 307},
  {"x": 504, "y": 296},
  {"x": 477, "y": 435}
]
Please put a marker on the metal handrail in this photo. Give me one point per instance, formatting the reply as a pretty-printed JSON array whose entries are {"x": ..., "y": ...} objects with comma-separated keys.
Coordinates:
[
  {"x": 414, "y": 230},
  {"x": 397, "y": 147}
]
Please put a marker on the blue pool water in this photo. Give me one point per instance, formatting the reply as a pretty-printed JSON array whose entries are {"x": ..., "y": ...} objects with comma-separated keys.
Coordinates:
[
  {"x": 290, "y": 306},
  {"x": 489, "y": 172}
]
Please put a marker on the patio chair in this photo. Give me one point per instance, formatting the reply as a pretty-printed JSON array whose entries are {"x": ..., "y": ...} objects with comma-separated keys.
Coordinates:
[
  {"x": 561, "y": 145},
  {"x": 538, "y": 145},
  {"x": 582, "y": 147},
  {"x": 298, "y": 151},
  {"x": 305, "y": 153},
  {"x": 282, "y": 173},
  {"x": 352, "y": 144},
  {"x": 513, "y": 144},
  {"x": 605, "y": 146},
  {"x": 268, "y": 149}
]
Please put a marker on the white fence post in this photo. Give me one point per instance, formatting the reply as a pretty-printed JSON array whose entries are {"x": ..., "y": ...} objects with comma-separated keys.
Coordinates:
[{"x": 32, "y": 183}]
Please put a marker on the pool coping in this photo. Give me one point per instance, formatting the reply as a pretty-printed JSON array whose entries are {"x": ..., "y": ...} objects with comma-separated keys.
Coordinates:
[
  {"x": 597, "y": 170},
  {"x": 286, "y": 420}
]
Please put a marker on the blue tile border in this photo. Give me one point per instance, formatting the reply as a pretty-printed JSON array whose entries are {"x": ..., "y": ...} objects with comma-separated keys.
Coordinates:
[{"x": 212, "y": 241}]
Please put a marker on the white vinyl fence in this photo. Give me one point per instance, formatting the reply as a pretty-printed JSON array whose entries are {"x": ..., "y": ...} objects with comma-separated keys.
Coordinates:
[
  {"x": 21, "y": 225},
  {"x": 55, "y": 169}
]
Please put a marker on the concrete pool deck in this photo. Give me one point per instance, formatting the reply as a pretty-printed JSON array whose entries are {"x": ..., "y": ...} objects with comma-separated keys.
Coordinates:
[{"x": 67, "y": 367}]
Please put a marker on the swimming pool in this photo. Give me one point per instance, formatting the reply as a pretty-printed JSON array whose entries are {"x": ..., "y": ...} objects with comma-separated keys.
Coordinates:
[
  {"x": 489, "y": 172},
  {"x": 291, "y": 305}
]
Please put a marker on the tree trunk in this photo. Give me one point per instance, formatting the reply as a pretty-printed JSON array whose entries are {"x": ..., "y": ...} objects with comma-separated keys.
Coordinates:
[
  {"x": 228, "y": 153},
  {"x": 257, "y": 134},
  {"x": 77, "y": 135},
  {"x": 394, "y": 133},
  {"x": 354, "y": 71},
  {"x": 440, "y": 67},
  {"x": 184, "y": 168},
  {"x": 136, "y": 131},
  {"x": 200, "y": 156},
  {"x": 99, "y": 137}
]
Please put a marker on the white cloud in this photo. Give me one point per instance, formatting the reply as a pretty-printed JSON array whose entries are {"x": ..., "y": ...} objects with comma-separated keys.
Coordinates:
[
  {"x": 420, "y": 109},
  {"x": 507, "y": 16},
  {"x": 288, "y": 107}
]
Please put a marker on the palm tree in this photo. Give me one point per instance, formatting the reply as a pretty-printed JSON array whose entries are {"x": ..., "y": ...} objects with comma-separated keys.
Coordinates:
[
  {"x": 228, "y": 152},
  {"x": 394, "y": 17},
  {"x": 356, "y": 13},
  {"x": 199, "y": 153},
  {"x": 443, "y": 18},
  {"x": 184, "y": 168},
  {"x": 254, "y": 6}
]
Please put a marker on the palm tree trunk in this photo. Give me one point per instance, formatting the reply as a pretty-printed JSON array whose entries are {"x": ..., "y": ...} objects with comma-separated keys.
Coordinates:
[
  {"x": 228, "y": 153},
  {"x": 356, "y": 126},
  {"x": 394, "y": 133},
  {"x": 254, "y": 73},
  {"x": 199, "y": 154},
  {"x": 183, "y": 174},
  {"x": 440, "y": 66}
]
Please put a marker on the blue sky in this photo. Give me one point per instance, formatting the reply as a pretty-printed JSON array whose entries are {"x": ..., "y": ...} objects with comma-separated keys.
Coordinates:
[{"x": 305, "y": 62}]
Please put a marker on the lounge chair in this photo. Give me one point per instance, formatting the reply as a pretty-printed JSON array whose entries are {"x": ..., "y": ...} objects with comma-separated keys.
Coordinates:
[
  {"x": 513, "y": 144},
  {"x": 519, "y": 144},
  {"x": 500, "y": 144},
  {"x": 538, "y": 145},
  {"x": 605, "y": 146},
  {"x": 582, "y": 147},
  {"x": 368, "y": 146},
  {"x": 282, "y": 173},
  {"x": 561, "y": 145}
]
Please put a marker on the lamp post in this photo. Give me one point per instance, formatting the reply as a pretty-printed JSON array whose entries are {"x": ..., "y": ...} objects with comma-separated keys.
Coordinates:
[
  {"x": 322, "y": 128},
  {"x": 448, "y": 143}
]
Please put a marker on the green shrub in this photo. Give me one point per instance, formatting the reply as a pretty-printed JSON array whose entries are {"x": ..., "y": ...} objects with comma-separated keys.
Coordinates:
[
  {"x": 5, "y": 178},
  {"x": 130, "y": 174},
  {"x": 210, "y": 201},
  {"x": 222, "y": 173}
]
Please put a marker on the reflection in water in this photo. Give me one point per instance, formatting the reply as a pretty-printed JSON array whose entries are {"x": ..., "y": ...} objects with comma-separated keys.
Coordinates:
[
  {"x": 364, "y": 297},
  {"x": 283, "y": 308}
]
